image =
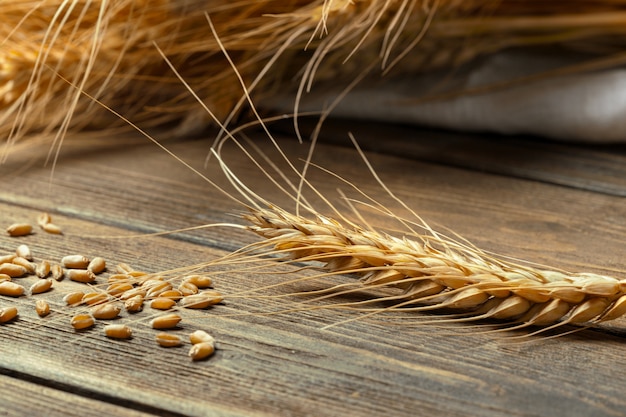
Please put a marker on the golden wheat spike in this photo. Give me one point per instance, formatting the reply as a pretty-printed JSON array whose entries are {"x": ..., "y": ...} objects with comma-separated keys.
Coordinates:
[{"x": 443, "y": 274}]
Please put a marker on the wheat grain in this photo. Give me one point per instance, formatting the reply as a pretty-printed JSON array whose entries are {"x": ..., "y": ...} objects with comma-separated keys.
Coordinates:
[
  {"x": 19, "y": 229},
  {"x": 26, "y": 264},
  {"x": 134, "y": 304},
  {"x": 82, "y": 321},
  {"x": 119, "y": 289},
  {"x": 198, "y": 301},
  {"x": 118, "y": 331},
  {"x": 73, "y": 298},
  {"x": 97, "y": 265},
  {"x": 11, "y": 289},
  {"x": 167, "y": 321},
  {"x": 57, "y": 272},
  {"x": 41, "y": 286},
  {"x": 52, "y": 229},
  {"x": 23, "y": 251},
  {"x": 201, "y": 351},
  {"x": 42, "y": 270},
  {"x": 172, "y": 294},
  {"x": 42, "y": 308},
  {"x": 162, "y": 303},
  {"x": 200, "y": 281},
  {"x": 81, "y": 275},
  {"x": 75, "y": 262},
  {"x": 187, "y": 288},
  {"x": 108, "y": 311},
  {"x": 200, "y": 336},
  {"x": 123, "y": 269},
  {"x": 13, "y": 270},
  {"x": 7, "y": 314},
  {"x": 7, "y": 259},
  {"x": 168, "y": 340},
  {"x": 94, "y": 298},
  {"x": 156, "y": 289},
  {"x": 43, "y": 219}
]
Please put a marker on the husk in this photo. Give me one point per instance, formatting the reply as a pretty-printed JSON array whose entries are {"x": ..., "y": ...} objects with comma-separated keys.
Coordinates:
[{"x": 57, "y": 57}]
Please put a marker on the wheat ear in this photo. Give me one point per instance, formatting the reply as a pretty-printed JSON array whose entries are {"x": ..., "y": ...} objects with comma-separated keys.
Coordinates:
[{"x": 443, "y": 274}]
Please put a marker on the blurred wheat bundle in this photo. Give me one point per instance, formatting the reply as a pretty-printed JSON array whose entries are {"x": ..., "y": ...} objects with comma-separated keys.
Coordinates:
[{"x": 57, "y": 56}]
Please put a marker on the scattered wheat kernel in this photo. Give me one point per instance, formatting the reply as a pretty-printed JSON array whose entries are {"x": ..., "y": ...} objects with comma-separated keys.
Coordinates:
[
  {"x": 7, "y": 314},
  {"x": 200, "y": 336},
  {"x": 134, "y": 304},
  {"x": 93, "y": 298},
  {"x": 187, "y": 288},
  {"x": 41, "y": 286},
  {"x": 52, "y": 228},
  {"x": 132, "y": 293},
  {"x": 118, "y": 289},
  {"x": 195, "y": 301},
  {"x": 106, "y": 311},
  {"x": 118, "y": 331},
  {"x": 82, "y": 321},
  {"x": 123, "y": 268},
  {"x": 120, "y": 278},
  {"x": 43, "y": 219},
  {"x": 28, "y": 265},
  {"x": 19, "y": 229},
  {"x": 13, "y": 270},
  {"x": 57, "y": 272},
  {"x": 11, "y": 289},
  {"x": 162, "y": 303},
  {"x": 97, "y": 265},
  {"x": 156, "y": 290},
  {"x": 81, "y": 275},
  {"x": 75, "y": 261},
  {"x": 140, "y": 280},
  {"x": 173, "y": 294},
  {"x": 151, "y": 281},
  {"x": 24, "y": 252},
  {"x": 167, "y": 321},
  {"x": 4, "y": 277},
  {"x": 74, "y": 298},
  {"x": 137, "y": 274},
  {"x": 213, "y": 297},
  {"x": 42, "y": 307},
  {"x": 7, "y": 259},
  {"x": 168, "y": 340},
  {"x": 200, "y": 281},
  {"x": 42, "y": 270},
  {"x": 201, "y": 351}
]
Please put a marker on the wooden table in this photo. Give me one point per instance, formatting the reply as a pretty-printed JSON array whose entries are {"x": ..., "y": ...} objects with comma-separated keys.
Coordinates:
[{"x": 549, "y": 203}]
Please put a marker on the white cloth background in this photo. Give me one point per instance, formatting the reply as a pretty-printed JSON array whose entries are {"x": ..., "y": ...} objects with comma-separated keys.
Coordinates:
[{"x": 587, "y": 107}]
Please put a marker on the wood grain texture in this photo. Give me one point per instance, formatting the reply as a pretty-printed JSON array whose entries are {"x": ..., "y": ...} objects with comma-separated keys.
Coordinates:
[
  {"x": 20, "y": 398},
  {"x": 286, "y": 364}
]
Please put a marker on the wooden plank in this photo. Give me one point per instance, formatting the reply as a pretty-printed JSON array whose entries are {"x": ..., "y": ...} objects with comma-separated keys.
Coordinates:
[
  {"x": 20, "y": 398},
  {"x": 287, "y": 364},
  {"x": 598, "y": 168}
]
